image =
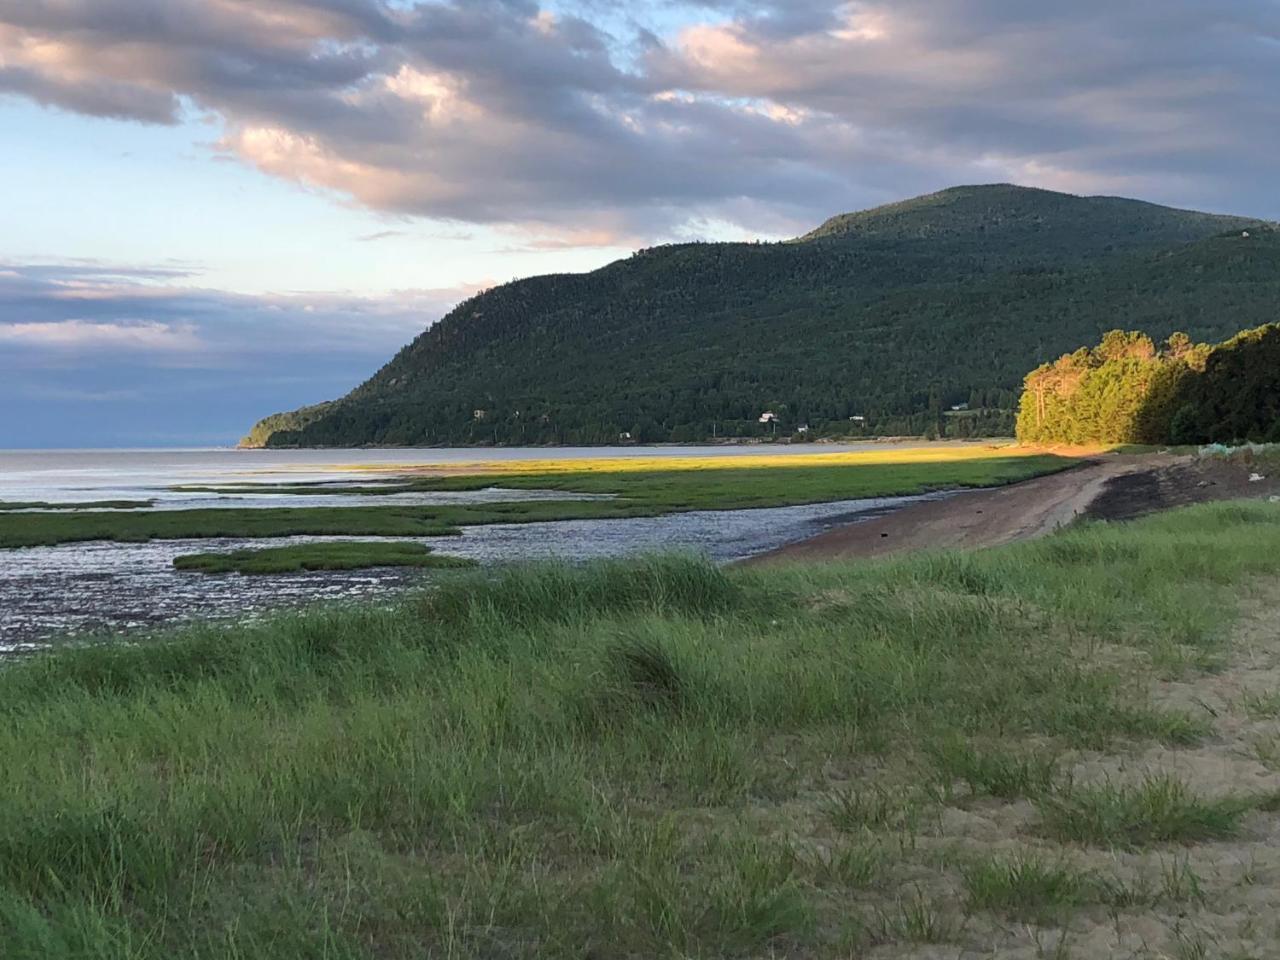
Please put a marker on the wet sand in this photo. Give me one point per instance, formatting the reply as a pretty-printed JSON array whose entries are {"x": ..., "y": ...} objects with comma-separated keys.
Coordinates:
[{"x": 979, "y": 518}]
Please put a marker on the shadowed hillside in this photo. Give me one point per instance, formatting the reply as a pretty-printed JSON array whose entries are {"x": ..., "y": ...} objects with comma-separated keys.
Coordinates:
[{"x": 876, "y": 323}]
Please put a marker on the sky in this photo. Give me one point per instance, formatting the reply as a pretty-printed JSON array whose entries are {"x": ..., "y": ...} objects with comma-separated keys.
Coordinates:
[{"x": 212, "y": 210}]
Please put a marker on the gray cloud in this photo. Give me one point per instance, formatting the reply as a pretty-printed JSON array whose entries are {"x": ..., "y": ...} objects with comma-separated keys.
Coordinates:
[
  {"x": 121, "y": 101},
  {"x": 64, "y": 310},
  {"x": 494, "y": 111},
  {"x": 91, "y": 349}
]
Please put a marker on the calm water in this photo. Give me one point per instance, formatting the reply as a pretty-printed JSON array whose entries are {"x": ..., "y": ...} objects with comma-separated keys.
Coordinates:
[
  {"x": 48, "y": 591},
  {"x": 66, "y": 476}
]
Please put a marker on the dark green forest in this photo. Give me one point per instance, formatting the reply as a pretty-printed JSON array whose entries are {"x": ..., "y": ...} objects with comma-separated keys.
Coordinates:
[
  {"x": 1128, "y": 390},
  {"x": 878, "y": 323}
]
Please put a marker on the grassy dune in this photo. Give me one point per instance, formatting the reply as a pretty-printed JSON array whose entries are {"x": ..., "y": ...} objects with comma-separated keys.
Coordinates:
[
  {"x": 641, "y": 491},
  {"x": 647, "y": 759}
]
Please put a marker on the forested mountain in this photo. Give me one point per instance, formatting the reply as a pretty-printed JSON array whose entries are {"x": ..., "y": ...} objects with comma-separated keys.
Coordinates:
[{"x": 876, "y": 323}]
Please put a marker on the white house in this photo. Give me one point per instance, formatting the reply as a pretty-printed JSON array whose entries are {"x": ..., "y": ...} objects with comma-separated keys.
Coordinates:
[{"x": 768, "y": 417}]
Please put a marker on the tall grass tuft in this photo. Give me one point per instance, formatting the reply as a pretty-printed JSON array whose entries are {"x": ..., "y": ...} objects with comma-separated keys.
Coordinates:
[
  {"x": 524, "y": 597},
  {"x": 648, "y": 674},
  {"x": 996, "y": 771},
  {"x": 1160, "y": 809},
  {"x": 1028, "y": 887}
]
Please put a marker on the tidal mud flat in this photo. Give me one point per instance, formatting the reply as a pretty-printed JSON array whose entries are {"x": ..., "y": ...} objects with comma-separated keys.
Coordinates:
[
  {"x": 76, "y": 567},
  {"x": 104, "y": 587}
]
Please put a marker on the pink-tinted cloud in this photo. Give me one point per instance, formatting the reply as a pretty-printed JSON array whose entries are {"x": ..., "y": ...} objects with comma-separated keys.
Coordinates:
[
  {"x": 80, "y": 336},
  {"x": 52, "y": 310},
  {"x": 499, "y": 111},
  {"x": 96, "y": 353}
]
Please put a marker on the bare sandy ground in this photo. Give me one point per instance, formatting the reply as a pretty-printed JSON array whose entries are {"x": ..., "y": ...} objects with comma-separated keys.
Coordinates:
[
  {"x": 1104, "y": 487},
  {"x": 1209, "y": 901},
  {"x": 1187, "y": 901},
  {"x": 980, "y": 518}
]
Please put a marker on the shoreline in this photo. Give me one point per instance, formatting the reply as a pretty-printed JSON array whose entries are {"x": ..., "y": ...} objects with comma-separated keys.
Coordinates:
[
  {"x": 702, "y": 505},
  {"x": 1117, "y": 487},
  {"x": 734, "y": 442},
  {"x": 969, "y": 520}
]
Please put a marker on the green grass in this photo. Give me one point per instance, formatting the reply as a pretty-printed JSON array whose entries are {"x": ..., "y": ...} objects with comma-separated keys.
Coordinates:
[
  {"x": 696, "y": 485},
  {"x": 344, "y": 555},
  {"x": 915, "y": 919},
  {"x": 8, "y": 505},
  {"x": 1160, "y": 809},
  {"x": 1262, "y": 705},
  {"x": 623, "y": 760},
  {"x": 996, "y": 772},
  {"x": 873, "y": 807},
  {"x": 1029, "y": 887},
  {"x": 723, "y": 487},
  {"x": 43, "y": 529},
  {"x": 846, "y": 865},
  {"x": 1034, "y": 887}
]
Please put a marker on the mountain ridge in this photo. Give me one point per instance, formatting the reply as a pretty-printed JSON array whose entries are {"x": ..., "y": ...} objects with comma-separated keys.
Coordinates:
[{"x": 890, "y": 315}]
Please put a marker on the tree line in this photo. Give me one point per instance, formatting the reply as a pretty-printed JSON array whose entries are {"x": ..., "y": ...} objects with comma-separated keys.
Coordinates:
[{"x": 1128, "y": 389}]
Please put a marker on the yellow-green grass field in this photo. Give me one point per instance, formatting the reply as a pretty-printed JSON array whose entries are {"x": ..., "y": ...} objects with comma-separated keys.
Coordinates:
[{"x": 643, "y": 487}]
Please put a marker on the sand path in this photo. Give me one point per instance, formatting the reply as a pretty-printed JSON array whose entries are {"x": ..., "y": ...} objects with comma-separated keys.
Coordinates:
[{"x": 979, "y": 518}]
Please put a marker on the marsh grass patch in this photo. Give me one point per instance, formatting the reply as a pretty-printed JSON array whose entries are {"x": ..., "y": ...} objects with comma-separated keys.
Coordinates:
[
  {"x": 845, "y": 864},
  {"x": 916, "y": 918},
  {"x": 638, "y": 676},
  {"x": 758, "y": 895},
  {"x": 962, "y": 573},
  {"x": 711, "y": 896},
  {"x": 1029, "y": 887},
  {"x": 1046, "y": 888},
  {"x": 320, "y": 556},
  {"x": 1261, "y": 705},
  {"x": 1160, "y": 809},
  {"x": 543, "y": 594},
  {"x": 1087, "y": 546},
  {"x": 873, "y": 807},
  {"x": 994, "y": 770}
]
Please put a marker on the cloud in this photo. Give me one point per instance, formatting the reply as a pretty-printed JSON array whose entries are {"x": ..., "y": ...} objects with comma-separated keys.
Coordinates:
[
  {"x": 145, "y": 337},
  {"x": 763, "y": 116},
  {"x": 56, "y": 308},
  {"x": 73, "y": 395},
  {"x": 503, "y": 112},
  {"x": 97, "y": 353},
  {"x": 380, "y": 235}
]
